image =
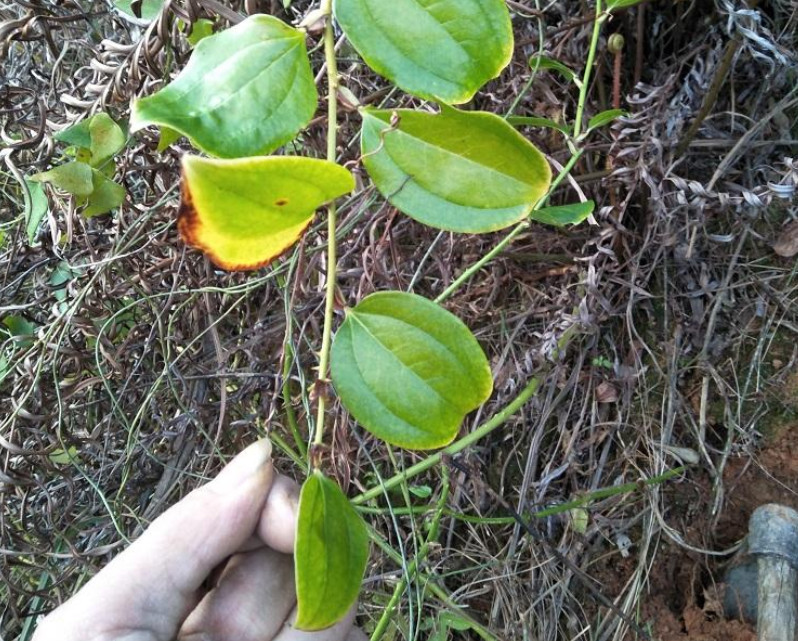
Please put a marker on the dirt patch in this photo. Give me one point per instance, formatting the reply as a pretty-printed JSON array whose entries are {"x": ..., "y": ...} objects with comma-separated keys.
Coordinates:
[
  {"x": 683, "y": 596},
  {"x": 770, "y": 477}
]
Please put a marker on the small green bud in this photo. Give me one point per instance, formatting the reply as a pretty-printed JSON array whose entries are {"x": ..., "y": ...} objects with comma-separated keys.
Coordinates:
[{"x": 615, "y": 43}]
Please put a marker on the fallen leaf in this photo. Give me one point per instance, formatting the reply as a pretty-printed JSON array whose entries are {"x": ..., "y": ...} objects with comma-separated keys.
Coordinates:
[{"x": 606, "y": 392}]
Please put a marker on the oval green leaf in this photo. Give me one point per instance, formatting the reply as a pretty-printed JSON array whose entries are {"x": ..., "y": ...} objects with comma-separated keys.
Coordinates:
[
  {"x": 244, "y": 213},
  {"x": 245, "y": 91},
  {"x": 443, "y": 51},
  {"x": 330, "y": 556},
  {"x": 100, "y": 135},
  {"x": 408, "y": 370},
  {"x": 35, "y": 208},
  {"x": 461, "y": 171}
]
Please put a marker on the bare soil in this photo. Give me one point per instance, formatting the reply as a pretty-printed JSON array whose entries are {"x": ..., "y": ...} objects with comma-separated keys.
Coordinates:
[{"x": 683, "y": 599}]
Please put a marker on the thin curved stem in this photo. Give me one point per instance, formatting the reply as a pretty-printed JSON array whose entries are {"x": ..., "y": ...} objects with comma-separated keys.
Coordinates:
[
  {"x": 332, "y": 254},
  {"x": 458, "y": 446},
  {"x": 591, "y": 57},
  {"x": 463, "y": 278}
]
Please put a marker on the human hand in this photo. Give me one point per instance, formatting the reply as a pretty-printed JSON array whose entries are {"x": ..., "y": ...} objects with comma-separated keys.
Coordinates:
[{"x": 153, "y": 591}]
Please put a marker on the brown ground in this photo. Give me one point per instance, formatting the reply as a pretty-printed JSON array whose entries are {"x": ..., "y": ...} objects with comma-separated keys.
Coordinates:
[{"x": 683, "y": 598}]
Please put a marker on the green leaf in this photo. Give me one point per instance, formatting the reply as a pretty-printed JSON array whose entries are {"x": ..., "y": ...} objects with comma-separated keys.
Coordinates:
[
  {"x": 20, "y": 329},
  {"x": 77, "y": 135},
  {"x": 604, "y": 118},
  {"x": 167, "y": 137},
  {"x": 73, "y": 177},
  {"x": 244, "y": 213},
  {"x": 408, "y": 370},
  {"x": 200, "y": 30},
  {"x": 330, "y": 555},
  {"x": 449, "y": 621},
  {"x": 420, "y": 491},
  {"x": 580, "y": 519},
  {"x": 107, "y": 195},
  {"x": 245, "y": 91},
  {"x": 107, "y": 138},
  {"x": 100, "y": 135},
  {"x": 436, "y": 167},
  {"x": 544, "y": 62},
  {"x": 60, "y": 278},
  {"x": 63, "y": 457},
  {"x": 444, "y": 50},
  {"x": 562, "y": 215},
  {"x": 534, "y": 121},
  {"x": 5, "y": 368},
  {"x": 148, "y": 10},
  {"x": 35, "y": 208}
]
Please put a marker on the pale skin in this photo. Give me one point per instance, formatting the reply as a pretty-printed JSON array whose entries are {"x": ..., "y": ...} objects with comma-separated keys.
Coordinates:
[{"x": 217, "y": 566}]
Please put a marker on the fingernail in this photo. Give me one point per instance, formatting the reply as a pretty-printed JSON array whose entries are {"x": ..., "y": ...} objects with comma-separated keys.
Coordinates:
[{"x": 244, "y": 466}]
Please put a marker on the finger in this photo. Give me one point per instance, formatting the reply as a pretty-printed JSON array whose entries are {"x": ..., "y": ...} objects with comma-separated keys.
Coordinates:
[
  {"x": 253, "y": 598},
  {"x": 153, "y": 584},
  {"x": 338, "y": 632},
  {"x": 277, "y": 526}
]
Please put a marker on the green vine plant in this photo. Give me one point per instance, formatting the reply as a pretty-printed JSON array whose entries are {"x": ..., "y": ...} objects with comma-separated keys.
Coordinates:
[
  {"x": 405, "y": 368},
  {"x": 92, "y": 143}
]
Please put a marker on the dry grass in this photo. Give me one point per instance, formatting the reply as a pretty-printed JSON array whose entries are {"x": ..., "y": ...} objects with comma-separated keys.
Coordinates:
[{"x": 154, "y": 369}]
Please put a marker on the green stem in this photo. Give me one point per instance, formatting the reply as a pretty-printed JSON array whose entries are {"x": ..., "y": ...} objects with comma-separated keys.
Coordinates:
[
  {"x": 458, "y": 446},
  {"x": 430, "y": 585},
  {"x": 486, "y": 428},
  {"x": 412, "y": 569},
  {"x": 524, "y": 224},
  {"x": 288, "y": 451},
  {"x": 332, "y": 258},
  {"x": 582, "y": 501},
  {"x": 591, "y": 57}
]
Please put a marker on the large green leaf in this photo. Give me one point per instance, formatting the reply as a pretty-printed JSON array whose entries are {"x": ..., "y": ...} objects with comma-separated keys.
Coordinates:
[
  {"x": 466, "y": 171},
  {"x": 244, "y": 92},
  {"x": 330, "y": 555},
  {"x": 443, "y": 50},
  {"x": 408, "y": 370},
  {"x": 244, "y": 213}
]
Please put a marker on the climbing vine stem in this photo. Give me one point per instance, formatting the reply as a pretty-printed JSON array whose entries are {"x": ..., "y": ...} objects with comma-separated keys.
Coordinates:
[{"x": 332, "y": 255}]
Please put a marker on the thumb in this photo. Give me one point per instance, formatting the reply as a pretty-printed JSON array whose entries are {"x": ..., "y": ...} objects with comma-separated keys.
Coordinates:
[{"x": 153, "y": 584}]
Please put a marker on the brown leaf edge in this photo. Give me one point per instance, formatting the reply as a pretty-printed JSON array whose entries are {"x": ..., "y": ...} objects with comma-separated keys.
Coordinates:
[{"x": 189, "y": 223}]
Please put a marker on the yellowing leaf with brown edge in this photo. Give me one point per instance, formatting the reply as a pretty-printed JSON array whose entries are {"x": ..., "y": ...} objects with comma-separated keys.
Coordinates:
[{"x": 246, "y": 212}]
